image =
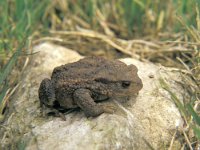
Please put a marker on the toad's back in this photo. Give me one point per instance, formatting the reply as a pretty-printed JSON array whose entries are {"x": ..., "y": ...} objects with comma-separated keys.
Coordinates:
[{"x": 88, "y": 69}]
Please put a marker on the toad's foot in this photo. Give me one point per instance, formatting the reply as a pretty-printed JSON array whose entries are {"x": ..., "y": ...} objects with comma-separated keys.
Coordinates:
[
  {"x": 107, "y": 108},
  {"x": 49, "y": 112},
  {"x": 57, "y": 114},
  {"x": 91, "y": 109}
]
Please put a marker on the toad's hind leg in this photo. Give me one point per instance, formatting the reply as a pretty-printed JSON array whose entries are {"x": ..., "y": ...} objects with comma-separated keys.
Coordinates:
[
  {"x": 84, "y": 100},
  {"x": 46, "y": 93}
]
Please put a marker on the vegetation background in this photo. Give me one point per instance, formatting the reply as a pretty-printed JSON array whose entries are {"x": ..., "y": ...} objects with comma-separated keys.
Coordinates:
[{"x": 166, "y": 32}]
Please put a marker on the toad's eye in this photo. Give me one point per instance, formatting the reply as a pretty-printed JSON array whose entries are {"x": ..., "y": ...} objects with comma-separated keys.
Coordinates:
[{"x": 126, "y": 84}]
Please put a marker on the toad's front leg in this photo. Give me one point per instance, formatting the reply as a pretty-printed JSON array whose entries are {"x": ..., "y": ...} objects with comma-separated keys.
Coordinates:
[{"x": 91, "y": 109}]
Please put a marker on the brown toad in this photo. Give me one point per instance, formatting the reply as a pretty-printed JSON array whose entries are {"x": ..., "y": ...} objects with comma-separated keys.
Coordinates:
[{"x": 83, "y": 83}]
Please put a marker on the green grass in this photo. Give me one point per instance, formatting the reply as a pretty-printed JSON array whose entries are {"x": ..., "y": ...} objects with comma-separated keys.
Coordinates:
[
  {"x": 22, "y": 20},
  {"x": 19, "y": 19},
  {"x": 144, "y": 16},
  {"x": 187, "y": 112}
]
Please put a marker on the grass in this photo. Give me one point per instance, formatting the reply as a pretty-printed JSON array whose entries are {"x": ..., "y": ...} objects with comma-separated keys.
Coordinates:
[
  {"x": 187, "y": 112},
  {"x": 165, "y": 32},
  {"x": 18, "y": 22}
]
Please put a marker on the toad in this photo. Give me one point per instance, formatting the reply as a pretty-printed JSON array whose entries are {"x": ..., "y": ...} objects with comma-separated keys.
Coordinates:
[{"x": 87, "y": 81}]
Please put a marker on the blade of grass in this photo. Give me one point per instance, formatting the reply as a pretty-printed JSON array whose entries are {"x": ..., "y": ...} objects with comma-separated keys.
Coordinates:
[
  {"x": 197, "y": 17},
  {"x": 196, "y": 131},
  {"x": 9, "y": 66},
  {"x": 187, "y": 140},
  {"x": 174, "y": 98},
  {"x": 131, "y": 8},
  {"x": 2, "y": 95},
  {"x": 193, "y": 113},
  {"x": 148, "y": 144}
]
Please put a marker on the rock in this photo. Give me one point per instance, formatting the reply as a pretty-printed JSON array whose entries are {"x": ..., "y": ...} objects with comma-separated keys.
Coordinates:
[{"x": 148, "y": 119}]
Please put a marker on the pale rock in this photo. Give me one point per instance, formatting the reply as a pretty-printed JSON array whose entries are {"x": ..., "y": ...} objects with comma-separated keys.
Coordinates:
[{"x": 149, "y": 118}]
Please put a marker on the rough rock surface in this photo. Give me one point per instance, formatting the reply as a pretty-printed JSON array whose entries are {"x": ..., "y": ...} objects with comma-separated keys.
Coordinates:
[{"x": 148, "y": 118}]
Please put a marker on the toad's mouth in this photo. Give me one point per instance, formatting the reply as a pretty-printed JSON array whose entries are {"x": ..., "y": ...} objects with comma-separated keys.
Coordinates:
[{"x": 122, "y": 95}]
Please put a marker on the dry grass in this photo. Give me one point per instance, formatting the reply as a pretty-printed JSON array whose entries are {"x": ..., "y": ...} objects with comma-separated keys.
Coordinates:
[{"x": 105, "y": 28}]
